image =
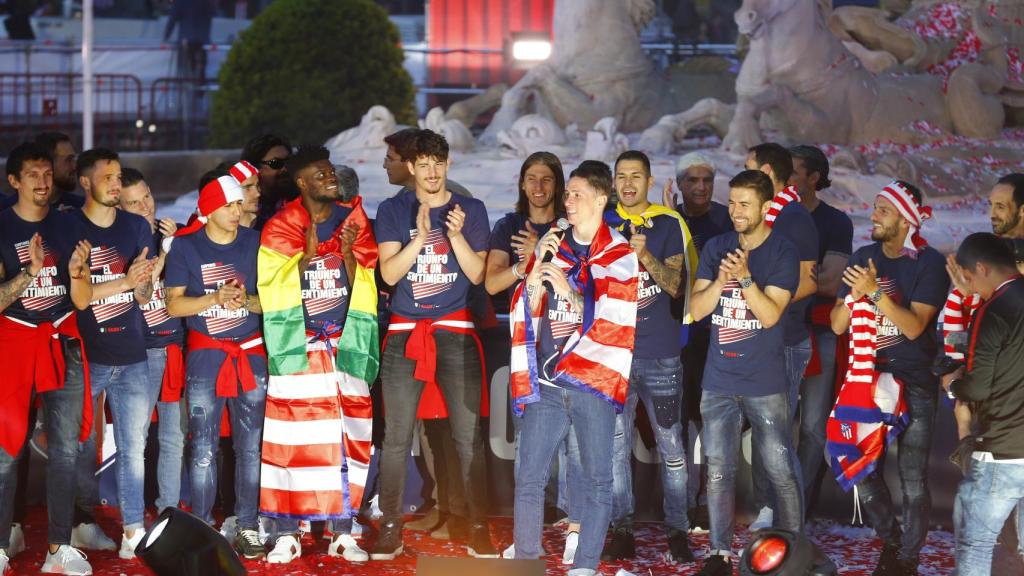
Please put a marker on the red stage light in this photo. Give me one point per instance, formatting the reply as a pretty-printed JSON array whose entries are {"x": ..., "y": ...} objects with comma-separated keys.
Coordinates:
[{"x": 768, "y": 554}]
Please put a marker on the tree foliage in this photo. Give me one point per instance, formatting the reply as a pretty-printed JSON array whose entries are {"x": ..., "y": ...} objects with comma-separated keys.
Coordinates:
[{"x": 308, "y": 69}]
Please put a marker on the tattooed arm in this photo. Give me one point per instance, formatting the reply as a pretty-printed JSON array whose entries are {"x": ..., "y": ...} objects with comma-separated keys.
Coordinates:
[
  {"x": 668, "y": 274},
  {"x": 11, "y": 289},
  {"x": 18, "y": 281}
]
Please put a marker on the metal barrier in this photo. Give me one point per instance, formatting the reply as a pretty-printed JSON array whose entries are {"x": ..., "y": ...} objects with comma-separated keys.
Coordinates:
[
  {"x": 178, "y": 114},
  {"x": 32, "y": 103}
]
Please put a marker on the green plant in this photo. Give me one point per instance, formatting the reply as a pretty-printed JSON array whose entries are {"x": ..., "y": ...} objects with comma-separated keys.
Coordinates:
[{"x": 308, "y": 69}]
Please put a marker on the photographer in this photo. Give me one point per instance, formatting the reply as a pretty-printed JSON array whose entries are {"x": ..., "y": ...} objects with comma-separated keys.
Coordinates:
[{"x": 991, "y": 381}]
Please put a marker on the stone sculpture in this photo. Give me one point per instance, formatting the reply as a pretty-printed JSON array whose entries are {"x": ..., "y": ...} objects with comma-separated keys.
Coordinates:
[{"x": 799, "y": 76}]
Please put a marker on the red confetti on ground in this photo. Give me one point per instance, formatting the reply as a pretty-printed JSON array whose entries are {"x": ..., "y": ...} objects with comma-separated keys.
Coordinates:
[{"x": 854, "y": 550}]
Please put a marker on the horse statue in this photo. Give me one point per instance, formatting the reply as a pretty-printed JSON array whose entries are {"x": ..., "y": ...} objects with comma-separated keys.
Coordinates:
[
  {"x": 938, "y": 36},
  {"x": 799, "y": 77},
  {"x": 597, "y": 69}
]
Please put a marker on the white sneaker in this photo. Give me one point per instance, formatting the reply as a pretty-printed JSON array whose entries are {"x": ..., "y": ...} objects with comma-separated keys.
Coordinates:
[
  {"x": 66, "y": 560},
  {"x": 285, "y": 550},
  {"x": 16, "y": 545},
  {"x": 572, "y": 541},
  {"x": 91, "y": 537},
  {"x": 350, "y": 549},
  {"x": 4, "y": 561},
  {"x": 509, "y": 553},
  {"x": 127, "y": 550},
  {"x": 229, "y": 528},
  {"x": 765, "y": 518}
]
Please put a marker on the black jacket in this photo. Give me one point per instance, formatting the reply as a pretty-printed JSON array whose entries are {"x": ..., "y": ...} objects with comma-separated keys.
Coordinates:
[{"x": 994, "y": 379}]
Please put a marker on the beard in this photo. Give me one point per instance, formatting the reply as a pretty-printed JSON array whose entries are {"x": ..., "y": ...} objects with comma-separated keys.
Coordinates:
[
  {"x": 882, "y": 234},
  {"x": 1003, "y": 227}
]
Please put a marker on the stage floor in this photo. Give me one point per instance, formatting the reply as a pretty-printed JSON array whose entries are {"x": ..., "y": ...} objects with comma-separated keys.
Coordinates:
[{"x": 853, "y": 549}]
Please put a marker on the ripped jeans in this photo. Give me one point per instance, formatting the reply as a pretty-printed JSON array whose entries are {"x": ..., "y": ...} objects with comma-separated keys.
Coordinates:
[
  {"x": 771, "y": 436},
  {"x": 246, "y": 412},
  {"x": 658, "y": 383}
]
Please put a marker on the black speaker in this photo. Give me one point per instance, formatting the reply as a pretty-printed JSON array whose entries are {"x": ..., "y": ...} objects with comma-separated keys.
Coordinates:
[
  {"x": 181, "y": 544},
  {"x": 436, "y": 566},
  {"x": 773, "y": 552}
]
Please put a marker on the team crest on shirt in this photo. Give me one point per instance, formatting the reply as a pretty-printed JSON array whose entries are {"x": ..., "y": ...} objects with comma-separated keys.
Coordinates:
[
  {"x": 431, "y": 275},
  {"x": 735, "y": 321},
  {"x": 45, "y": 291},
  {"x": 324, "y": 291},
  {"x": 155, "y": 312},
  {"x": 218, "y": 318},
  {"x": 888, "y": 333},
  {"x": 105, "y": 264}
]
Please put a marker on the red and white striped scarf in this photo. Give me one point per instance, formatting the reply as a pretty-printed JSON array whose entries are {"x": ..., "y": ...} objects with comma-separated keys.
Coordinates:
[
  {"x": 784, "y": 197},
  {"x": 869, "y": 411},
  {"x": 956, "y": 317},
  {"x": 598, "y": 360}
]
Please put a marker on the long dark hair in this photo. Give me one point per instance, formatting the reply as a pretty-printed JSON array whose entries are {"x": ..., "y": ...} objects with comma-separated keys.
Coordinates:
[{"x": 555, "y": 165}]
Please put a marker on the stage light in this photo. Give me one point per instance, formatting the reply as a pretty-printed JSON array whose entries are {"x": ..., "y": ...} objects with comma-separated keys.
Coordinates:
[
  {"x": 774, "y": 552},
  {"x": 180, "y": 544},
  {"x": 528, "y": 48}
]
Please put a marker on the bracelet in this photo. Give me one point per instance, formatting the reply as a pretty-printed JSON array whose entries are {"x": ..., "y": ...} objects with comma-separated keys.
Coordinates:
[
  {"x": 29, "y": 274},
  {"x": 516, "y": 273}
]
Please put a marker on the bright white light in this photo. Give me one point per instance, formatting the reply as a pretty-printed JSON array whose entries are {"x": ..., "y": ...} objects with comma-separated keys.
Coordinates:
[
  {"x": 156, "y": 531},
  {"x": 531, "y": 50},
  {"x": 152, "y": 128},
  {"x": 139, "y": 123}
]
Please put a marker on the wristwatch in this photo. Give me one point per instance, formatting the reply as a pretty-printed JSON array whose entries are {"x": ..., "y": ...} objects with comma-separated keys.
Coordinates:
[
  {"x": 876, "y": 296},
  {"x": 746, "y": 282}
]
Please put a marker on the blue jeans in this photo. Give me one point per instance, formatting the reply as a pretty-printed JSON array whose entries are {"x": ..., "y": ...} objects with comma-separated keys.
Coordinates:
[
  {"x": 913, "y": 445},
  {"x": 568, "y": 474},
  {"x": 131, "y": 405},
  {"x": 570, "y": 478},
  {"x": 171, "y": 434},
  {"x": 63, "y": 420},
  {"x": 659, "y": 385},
  {"x": 817, "y": 395},
  {"x": 797, "y": 356},
  {"x": 246, "y": 411},
  {"x": 985, "y": 499},
  {"x": 723, "y": 416},
  {"x": 545, "y": 424}
]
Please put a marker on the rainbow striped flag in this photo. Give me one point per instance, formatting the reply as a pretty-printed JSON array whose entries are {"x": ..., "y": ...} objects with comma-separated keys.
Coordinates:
[{"x": 319, "y": 417}]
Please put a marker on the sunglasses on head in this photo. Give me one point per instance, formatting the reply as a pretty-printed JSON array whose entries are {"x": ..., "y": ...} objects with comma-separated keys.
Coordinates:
[{"x": 274, "y": 164}]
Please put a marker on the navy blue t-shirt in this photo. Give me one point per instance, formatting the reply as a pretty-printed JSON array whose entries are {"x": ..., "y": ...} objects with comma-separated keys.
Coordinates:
[
  {"x": 113, "y": 329},
  {"x": 325, "y": 288},
  {"x": 201, "y": 267},
  {"x": 657, "y": 330},
  {"x": 708, "y": 225},
  {"x": 48, "y": 297},
  {"x": 835, "y": 236},
  {"x": 435, "y": 285},
  {"x": 905, "y": 280},
  {"x": 558, "y": 323},
  {"x": 795, "y": 223},
  {"x": 745, "y": 358},
  {"x": 161, "y": 329},
  {"x": 509, "y": 226}
]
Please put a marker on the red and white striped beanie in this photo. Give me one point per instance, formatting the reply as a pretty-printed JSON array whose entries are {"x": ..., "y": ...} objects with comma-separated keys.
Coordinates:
[
  {"x": 213, "y": 196},
  {"x": 915, "y": 214},
  {"x": 242, "y": 171}
]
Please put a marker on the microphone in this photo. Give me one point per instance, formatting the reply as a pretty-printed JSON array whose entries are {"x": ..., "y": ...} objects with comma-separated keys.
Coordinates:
[{"x": 562, "y": 225}]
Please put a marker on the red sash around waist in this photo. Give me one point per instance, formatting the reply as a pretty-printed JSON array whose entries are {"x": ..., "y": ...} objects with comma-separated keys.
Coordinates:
[
  {"x": 32, "y": 355},
  {"x": 236, "y": 354}
]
